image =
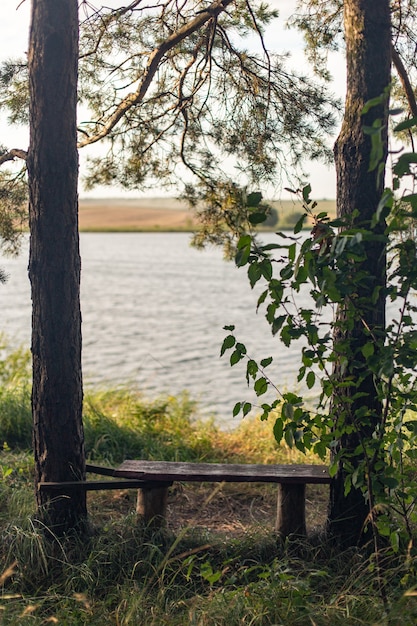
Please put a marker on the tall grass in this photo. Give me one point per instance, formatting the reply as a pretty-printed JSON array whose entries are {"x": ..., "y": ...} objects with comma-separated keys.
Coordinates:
[
  {"x": 119, "y": 423},
  {"x": 122, "y": 574}
]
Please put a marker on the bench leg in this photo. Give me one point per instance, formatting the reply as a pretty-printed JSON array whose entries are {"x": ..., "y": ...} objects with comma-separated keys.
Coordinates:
[
  {"x": 291, "y": 514},
  {"x": 152, "y": 505}
]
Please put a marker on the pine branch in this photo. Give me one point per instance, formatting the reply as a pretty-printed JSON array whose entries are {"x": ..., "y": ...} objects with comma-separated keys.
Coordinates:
[
  {"x": 154, "y": 60},
  {"x": 405, "y": 81},
  {"x": 12, "y": 155}
]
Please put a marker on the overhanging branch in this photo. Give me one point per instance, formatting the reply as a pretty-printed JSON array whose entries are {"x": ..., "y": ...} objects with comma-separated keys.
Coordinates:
[
  {"x": 154, "y": 60},
  {"x": 405, "y": 81},
  {"x": 13, "y": 154}
]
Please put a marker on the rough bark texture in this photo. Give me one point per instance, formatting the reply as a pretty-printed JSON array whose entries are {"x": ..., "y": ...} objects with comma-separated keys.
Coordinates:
[
  {"x": 368, "y": 52},
  {"x": 54, "y": 266}
]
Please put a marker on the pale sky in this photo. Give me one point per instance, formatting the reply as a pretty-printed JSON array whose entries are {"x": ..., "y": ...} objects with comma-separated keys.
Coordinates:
[{"x": 14, "y": 28}]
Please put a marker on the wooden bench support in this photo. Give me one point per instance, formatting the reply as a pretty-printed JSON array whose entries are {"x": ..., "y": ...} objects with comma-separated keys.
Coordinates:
[
  {"x": 151, "y": 505},
  {"x": 291, "y": 512}
]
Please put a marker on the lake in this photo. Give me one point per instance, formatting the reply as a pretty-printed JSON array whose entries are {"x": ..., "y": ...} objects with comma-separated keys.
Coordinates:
[{"x": 153, "y": 311}]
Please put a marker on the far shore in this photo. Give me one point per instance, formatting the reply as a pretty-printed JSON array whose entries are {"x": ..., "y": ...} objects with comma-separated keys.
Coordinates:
[
  {"x": 144, "y": 214},
  {"x": 161, "y": 214}
]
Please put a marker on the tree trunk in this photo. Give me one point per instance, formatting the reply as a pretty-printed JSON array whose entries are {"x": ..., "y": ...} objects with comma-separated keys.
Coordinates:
[
  {"x": 368, "y": 53},
  {"x": 54, "y": 265}
]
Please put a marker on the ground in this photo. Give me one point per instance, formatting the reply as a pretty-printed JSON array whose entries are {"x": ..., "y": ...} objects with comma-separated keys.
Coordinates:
[{"x": 229, "y": 509}]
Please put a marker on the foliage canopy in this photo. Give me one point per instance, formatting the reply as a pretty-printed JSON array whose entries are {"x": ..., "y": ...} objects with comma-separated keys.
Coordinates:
[{"x": 176, "y": 94}]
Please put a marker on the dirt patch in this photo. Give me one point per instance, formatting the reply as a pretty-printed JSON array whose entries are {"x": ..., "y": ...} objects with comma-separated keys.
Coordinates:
[{"x": 228, "y": 509}]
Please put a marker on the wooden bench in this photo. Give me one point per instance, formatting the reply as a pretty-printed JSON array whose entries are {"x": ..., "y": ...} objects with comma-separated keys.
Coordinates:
[
  {"x": 291, "y": 481},
  {"x": 153, "y": 478}
]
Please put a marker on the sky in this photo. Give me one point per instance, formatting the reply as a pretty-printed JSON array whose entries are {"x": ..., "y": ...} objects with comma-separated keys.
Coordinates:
[{"x": 14, "y": 29}]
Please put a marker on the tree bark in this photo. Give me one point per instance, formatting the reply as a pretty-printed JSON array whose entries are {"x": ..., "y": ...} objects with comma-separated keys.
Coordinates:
[
  {"x": 54, "y": 264},
  {"x": 368, "y": 54}
]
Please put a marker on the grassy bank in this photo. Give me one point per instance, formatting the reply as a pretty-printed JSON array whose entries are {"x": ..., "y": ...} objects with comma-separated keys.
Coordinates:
[{"x": 217, "y": 562}]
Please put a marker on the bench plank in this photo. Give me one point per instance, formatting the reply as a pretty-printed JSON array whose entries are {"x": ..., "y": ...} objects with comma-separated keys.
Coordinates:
[
  {"x": 99, "y": 485},
  {"x": 222, "y": 472}
]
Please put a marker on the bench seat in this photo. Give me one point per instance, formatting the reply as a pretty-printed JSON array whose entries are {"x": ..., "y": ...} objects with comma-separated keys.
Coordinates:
[
  {"x": 291, "y": 481},
  {"x": 221, "y": 472}
]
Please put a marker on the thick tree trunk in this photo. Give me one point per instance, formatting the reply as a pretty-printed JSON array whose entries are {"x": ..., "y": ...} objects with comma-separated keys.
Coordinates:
[
  {"x": 368, "y": 52},
  {"x": 54, "y": 266}
]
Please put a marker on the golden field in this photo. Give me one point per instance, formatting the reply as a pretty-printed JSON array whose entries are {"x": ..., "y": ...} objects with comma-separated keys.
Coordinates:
[
  {"x": 141, "y": 214},
  {"x": 162, "y": 214}
]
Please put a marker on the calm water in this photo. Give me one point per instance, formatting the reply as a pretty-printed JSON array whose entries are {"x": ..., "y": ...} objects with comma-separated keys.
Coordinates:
[{"x": 153, "y": 314}]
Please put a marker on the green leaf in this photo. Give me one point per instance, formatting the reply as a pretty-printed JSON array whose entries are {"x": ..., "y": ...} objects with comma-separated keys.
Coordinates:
[
  {"x": 410, "y": 198},
  {"x": 301, "y": 373},
  {"x": 266, "y": 362},
  {"x": 333, "y": 470},
  {"x": 243, "y": 250},
  {"x": 235, "y": 357},
  {"x": 277, "y": 323},
  {"x": 241, "y": 348},
  {"x": 261, "y": 386},
  {"x": 306, "y": 191},
  {"x": 257, "y": 218},
  {"x": 236, "y": 408},
  {"x": 299, "y": 225},
  {"x": 394, "y": 539},
  {"x": 253, "y": 199},
  {"x": 261, "y": 298},
  {"x": 246, "y": 408},
  {"x": 384, "y": 207},
  {"x": 266, "y": 269},
  {"x": 231, "y": 328},
  {"x": 289, "y": 438},
  {"x": 278, "y": 429},
  {"x": 311, "y": 379},
  {"x": 266, "y": 409},
  {"x": 254, "y": 273},
  {"x": 251, "y": 369},
  {"x": 406, "y": 124},
  {"x": 242, "y": 256},
  {"x": 368, "y": 349},
  {"x": 286, "y": 272},
  {"x": 228, "y": 343},
  {"x": 389, "y": 481},
  {"x": 402, "y": 166},
  {"x": 301, "y": 274},
  {"x": 288, "y": 411},
  {"x": 244, "y": 241},
  {"x": 373, "y": 102}
]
